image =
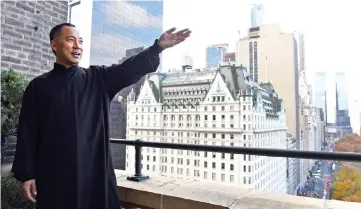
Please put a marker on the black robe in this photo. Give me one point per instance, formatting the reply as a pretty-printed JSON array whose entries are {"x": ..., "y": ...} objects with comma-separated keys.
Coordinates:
[{"x": 63, "y": 132}]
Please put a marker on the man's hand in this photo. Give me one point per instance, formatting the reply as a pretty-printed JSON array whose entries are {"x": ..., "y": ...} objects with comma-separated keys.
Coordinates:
[
  {"x": 169, "y": 39},
  {"x": 29, "y": 190}
]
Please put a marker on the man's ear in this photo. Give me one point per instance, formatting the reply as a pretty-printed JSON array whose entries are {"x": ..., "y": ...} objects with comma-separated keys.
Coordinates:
[{"x": 53, "y": 45}]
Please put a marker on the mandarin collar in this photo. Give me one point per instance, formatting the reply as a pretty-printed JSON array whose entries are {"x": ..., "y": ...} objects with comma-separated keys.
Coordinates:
[{"x": 60, "y": 67}]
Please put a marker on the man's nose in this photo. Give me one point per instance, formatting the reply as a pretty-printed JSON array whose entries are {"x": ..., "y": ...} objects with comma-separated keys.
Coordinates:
[{"x": 77, "y": 44}]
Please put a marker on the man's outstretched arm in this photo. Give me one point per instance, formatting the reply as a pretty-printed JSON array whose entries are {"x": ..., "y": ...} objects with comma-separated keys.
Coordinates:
[
  {"x": 24, "y": 166},
  {"x": 116, "y": 77}
]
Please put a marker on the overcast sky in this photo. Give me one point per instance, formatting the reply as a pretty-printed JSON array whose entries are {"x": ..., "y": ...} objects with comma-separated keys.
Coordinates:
[{"x": 331, "y": 28}]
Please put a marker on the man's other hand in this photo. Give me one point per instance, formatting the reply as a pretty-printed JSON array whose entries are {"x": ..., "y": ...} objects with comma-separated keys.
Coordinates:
[
  {"x": 29, "y": 190},
  {"x": 169, "y": 39}
]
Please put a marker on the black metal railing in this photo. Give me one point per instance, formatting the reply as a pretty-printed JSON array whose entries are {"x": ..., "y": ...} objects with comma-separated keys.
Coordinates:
[{"x": 138, "y": 144}]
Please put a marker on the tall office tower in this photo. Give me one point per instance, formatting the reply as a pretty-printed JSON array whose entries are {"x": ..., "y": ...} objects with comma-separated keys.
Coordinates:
[
  {"x": 341, "y": 89},
  {"x": 257, "y": 13},
  {"x": 342, "y": 112},
  {"x": 215, "y": 54},
  {"x": 110, "y": 28},
  {"x": 113, "y": 31},
  {"x": 273, "y": 56},
  {"x": 320, "y": 87},
  {"x": 216, "y": 107},
  {"x": 301, "y": 52},
  {"x": 258, "y": 52}
]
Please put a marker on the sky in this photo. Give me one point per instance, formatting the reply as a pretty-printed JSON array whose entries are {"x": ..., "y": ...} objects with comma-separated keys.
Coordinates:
[
  {"x": 331, "y": 33},
  {"x": 120, "y": 25},
  {"x": 331, "y": 30}
]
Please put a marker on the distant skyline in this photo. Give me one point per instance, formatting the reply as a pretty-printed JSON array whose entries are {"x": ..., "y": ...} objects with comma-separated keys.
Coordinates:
[{"x": 331, "y": 33}]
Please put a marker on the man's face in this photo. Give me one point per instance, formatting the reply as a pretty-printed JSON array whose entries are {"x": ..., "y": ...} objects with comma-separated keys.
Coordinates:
[{"x": 68, "y": 46}]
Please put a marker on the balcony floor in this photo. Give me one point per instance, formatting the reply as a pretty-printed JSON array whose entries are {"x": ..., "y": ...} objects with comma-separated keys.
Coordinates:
[{"x": 173, "y": 193}]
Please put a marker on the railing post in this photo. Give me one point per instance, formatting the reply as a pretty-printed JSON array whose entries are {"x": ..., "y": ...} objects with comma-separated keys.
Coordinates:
[{"x": 138, "y": 164}]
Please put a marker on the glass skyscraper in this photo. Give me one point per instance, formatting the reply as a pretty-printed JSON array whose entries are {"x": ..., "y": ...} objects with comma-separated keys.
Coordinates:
[
  {"x": 118, "y": 26},
  {"x": 215, "y": 54},
  {"x": 112, "y": 32},
  {"x": 341, "y": 89},
  {"x": 320, "y": 91},
  {"x": 257, "y": 15},
  {"x": 342, "y": 113}
]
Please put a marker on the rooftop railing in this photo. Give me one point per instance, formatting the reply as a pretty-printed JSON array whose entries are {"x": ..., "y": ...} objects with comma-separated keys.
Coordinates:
[{"x": 320, "y": 155}]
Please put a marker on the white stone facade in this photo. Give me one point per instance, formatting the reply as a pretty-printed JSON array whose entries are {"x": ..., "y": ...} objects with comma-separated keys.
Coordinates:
[{"x": 210, "y": 107}]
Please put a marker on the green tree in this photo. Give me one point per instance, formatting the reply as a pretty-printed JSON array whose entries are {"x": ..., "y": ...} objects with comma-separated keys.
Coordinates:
[
  {"x": 347, "y": 187},
  {"x": 13, "y": 85}
]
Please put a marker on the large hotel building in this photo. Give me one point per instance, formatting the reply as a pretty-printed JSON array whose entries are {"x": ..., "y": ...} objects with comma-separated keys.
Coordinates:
[{"x": 215, "y": 106}]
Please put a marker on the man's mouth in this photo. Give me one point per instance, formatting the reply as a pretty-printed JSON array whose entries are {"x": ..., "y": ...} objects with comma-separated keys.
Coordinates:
[{"x": 75, "y": 54}]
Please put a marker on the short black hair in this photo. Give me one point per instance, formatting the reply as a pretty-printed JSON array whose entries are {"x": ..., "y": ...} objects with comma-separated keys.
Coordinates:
[{"x": 56, "y": 30}]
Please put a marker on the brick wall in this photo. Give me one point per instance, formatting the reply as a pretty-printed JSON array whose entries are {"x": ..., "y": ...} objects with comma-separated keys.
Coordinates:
[
  {"x": 25, "y": 45},
  {"x": 25, "y": 27}
]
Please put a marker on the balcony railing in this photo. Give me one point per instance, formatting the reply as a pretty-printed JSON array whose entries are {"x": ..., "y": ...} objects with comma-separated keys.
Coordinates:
[{"x": 138, "y": 144}]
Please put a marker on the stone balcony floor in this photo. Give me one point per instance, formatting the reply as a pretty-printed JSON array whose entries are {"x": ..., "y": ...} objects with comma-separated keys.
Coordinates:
[{"x": 173, "y": 193}]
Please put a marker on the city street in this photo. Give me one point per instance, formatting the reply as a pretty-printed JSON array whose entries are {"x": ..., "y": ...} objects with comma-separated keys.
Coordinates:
[{"x": 321, "y": 186}]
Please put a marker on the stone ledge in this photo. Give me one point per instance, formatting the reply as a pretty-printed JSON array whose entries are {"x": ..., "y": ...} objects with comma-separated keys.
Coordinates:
[{"x": 173, "y": 193}]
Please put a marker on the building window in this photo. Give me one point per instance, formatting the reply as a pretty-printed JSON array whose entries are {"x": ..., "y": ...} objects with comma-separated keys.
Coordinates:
[
  {"x": 213, "y": 176},
  {"x": 231, "y": 178},
  {"x": 231, "y": 167},
  {"x": 222, "y": 177}
]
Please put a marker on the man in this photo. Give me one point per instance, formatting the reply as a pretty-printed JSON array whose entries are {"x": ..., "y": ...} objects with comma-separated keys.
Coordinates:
[{"x": 62, "y": 154}]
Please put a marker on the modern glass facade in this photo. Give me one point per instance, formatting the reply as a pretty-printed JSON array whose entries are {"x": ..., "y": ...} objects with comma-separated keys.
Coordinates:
[
  {"x": 342, "y": 98},
  {"x": 342, "y": 113},
  {"x": 320, "y": 91},
  {"x": 118, "y": 26},
  {"x": 215, "y": 54},
  {"x": 120, "y": 29},
  {"x": 257, "y": 15}
]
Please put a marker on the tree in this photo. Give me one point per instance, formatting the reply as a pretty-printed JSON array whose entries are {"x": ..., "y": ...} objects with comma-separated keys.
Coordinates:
[
  {"x": 13, "y": 85},
  {"x": 347, "y": 187},
  {"x": 349, "y": 143}
]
